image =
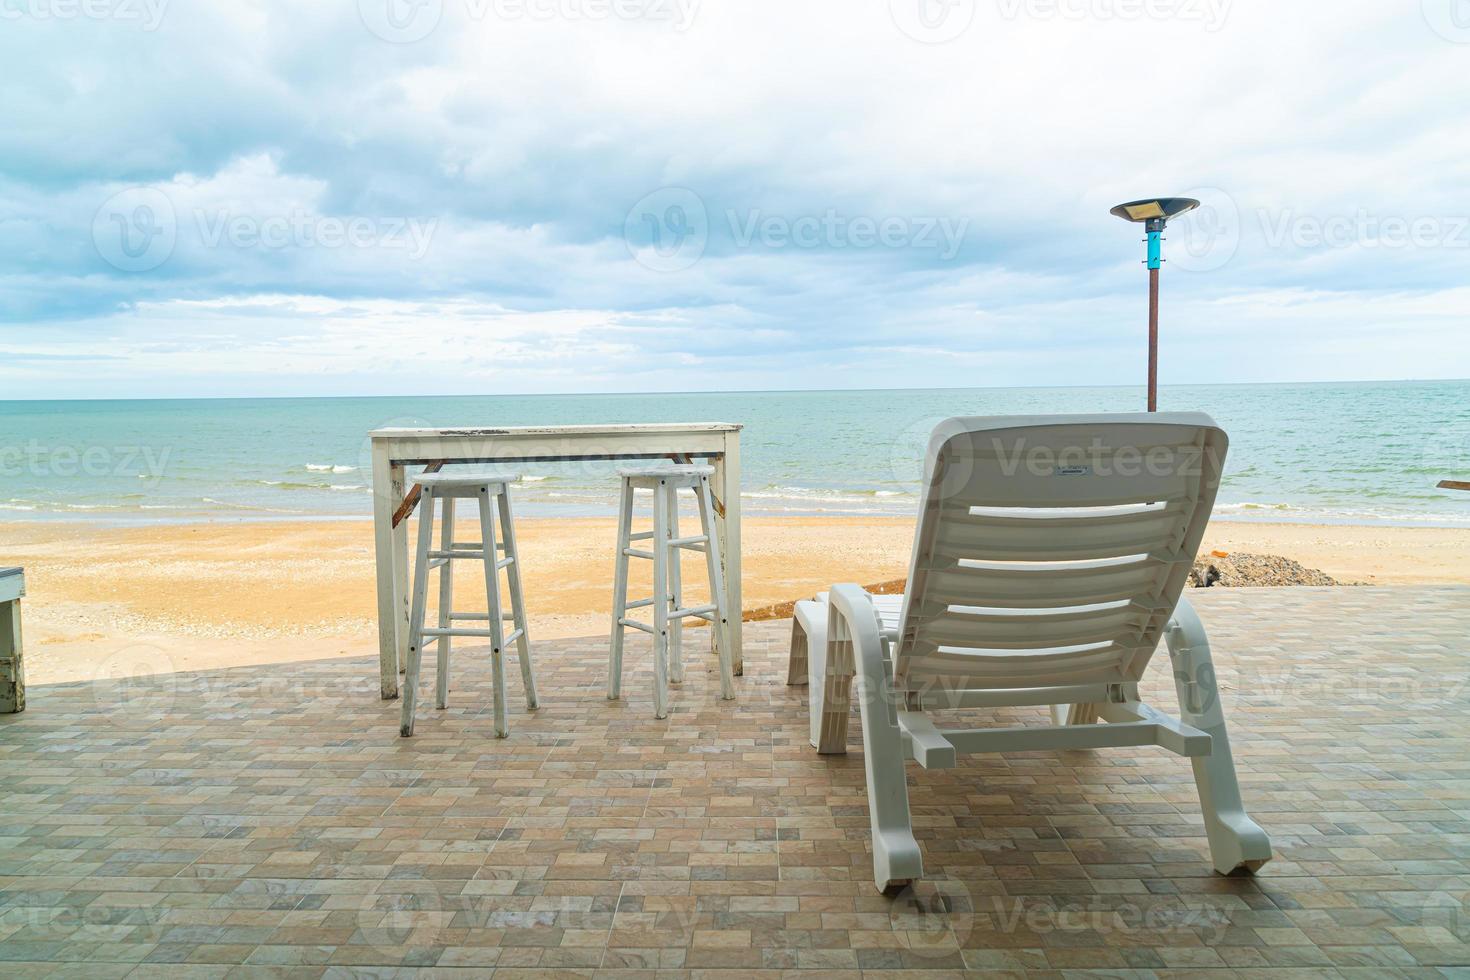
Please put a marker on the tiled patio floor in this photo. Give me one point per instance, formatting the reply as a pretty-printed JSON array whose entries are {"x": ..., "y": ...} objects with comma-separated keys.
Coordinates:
[{"x": 272, "y": 817}]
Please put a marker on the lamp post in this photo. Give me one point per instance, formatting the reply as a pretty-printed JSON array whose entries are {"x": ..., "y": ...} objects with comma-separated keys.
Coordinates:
[{"x": 1154, "y": 214}]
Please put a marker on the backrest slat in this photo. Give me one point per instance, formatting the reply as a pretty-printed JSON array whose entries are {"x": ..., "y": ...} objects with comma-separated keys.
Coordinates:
[
  {"x": 1037, "y": 538},
  {"x": 955, "y": 628},
  {"x": 1026, "y": 519}
]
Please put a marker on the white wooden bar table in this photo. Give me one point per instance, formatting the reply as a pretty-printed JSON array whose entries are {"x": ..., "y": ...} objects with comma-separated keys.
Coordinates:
[{"x": 393, "y": 449}]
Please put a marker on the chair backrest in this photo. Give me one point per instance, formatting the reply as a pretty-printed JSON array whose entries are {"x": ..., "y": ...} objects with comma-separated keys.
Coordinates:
[{"x": 1052, "y": 549}]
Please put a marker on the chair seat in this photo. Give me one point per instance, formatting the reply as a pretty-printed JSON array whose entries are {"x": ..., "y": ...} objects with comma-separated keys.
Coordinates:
[
  {"x": 467, "y": 476},
  {"x": 890, "y": 610}
]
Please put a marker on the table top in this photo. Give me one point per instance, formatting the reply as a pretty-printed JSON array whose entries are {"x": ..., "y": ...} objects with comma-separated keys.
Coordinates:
[
  {"x": 555, "y": 430},
  {"x": 14, "y": 570}
]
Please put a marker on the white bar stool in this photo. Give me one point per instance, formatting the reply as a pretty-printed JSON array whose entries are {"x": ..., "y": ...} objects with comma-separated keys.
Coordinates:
[
  {"x": 492, "y": 490},
  {"x": 668, "y": 612}
]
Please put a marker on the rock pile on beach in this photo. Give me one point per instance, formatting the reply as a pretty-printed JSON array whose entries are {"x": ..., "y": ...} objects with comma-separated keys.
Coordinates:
[{"x": 1239, "y": 569}]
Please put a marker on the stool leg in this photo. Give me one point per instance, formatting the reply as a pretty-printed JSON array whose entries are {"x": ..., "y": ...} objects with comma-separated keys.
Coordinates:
[
  {"x": 446, "y": 602},
  {"x": 721, "y": 626},
  {"x": 676, "y": 623},
  {"x": 517, "y": 603},
  {"x": 492, "y": 602},
  {"x": 416, "y": 614},
  {"x": 620, "y": 592},
  {"x": 660, "y": 601}
]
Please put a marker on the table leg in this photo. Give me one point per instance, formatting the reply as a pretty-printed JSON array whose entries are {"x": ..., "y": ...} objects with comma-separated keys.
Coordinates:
[
  {"x": 384, "y": 503},
  {"x": 727, "y": 527},
  {"x": 12, "y": 660},
  {"x": 402, "y": 596}
]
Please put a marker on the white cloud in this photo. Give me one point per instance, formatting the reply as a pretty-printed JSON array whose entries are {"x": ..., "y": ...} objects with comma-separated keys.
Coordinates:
[{"x": 354, "y": 215}]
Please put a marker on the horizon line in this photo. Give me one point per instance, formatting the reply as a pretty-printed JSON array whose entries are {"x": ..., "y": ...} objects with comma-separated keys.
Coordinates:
[{"x": 728, "y": 391}]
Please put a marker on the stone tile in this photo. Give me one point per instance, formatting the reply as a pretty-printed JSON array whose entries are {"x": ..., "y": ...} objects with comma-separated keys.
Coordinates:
[{"x": 269, "y": 822}]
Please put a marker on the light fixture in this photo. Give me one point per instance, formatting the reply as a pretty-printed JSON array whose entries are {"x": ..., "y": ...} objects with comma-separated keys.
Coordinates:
[{"x": 1154, "y": 214}]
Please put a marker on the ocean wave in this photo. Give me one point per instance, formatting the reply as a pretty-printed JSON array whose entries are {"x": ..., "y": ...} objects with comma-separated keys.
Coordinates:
[
  {"x": 1326, "y": 514},
  {"x": 803, "y": 499},
  {"x": 330, "y": 468},
  {"x": 293, "y": 485},
  {"x": 812, "y": 494}
]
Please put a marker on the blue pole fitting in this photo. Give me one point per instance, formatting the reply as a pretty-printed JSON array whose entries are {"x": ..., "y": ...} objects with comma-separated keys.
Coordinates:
[{"x": 1155, "y": 249}]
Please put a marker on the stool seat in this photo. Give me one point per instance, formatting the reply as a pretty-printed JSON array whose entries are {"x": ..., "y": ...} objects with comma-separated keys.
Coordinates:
[
  {"x": 667, "y": 471},
  {"x": 467, "y": 476}
]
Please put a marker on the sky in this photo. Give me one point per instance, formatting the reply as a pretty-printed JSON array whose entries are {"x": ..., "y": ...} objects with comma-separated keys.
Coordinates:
[{"x": 367, "y": 197}]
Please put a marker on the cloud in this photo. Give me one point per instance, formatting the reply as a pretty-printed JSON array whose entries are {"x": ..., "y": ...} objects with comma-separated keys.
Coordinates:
[{"x": 273, "y": 198}]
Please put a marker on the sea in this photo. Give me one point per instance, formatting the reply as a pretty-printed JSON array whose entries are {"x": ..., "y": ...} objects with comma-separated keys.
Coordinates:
[{"x": 1355, "y": 453}]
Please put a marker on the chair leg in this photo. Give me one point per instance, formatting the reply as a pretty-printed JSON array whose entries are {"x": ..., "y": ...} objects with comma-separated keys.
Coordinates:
[
  {"x": 1236, "y": 841},
  {"x": 896, "y": 857},
  {"x": 796, "y": 666},
  {"x": 446, "y": 603},
  {"x": 721, "y": 627},
  {"x": 416, "y": 615},
  {"x": 1074, "y": 714},
  {"x": 829, "y": 689},
  {"x": 517, "y": 601},
  {"x": 676, "y": 623},
  {"x": 660, "y": 602},
  {"x": 492, "y": 602},
  {"x": 620, "y": 592}
]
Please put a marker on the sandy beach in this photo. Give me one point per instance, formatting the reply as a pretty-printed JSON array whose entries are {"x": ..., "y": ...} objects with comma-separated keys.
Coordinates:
[{"x": 110, "y": 599}]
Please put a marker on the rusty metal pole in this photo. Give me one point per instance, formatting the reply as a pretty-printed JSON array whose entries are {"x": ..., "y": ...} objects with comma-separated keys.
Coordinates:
[
  {"x": 1153, "y": 340},
  {"x": 1155, "y": 228}
]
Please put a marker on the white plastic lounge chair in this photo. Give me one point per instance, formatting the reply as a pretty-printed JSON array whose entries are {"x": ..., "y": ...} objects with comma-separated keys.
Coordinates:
[{"x": 1048, "y": 563}]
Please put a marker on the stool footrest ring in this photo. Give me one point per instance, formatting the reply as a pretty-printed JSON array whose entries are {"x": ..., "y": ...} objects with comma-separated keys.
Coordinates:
[
  {"x": 636, "y": 625},
  {"x": 505, "y": 641},
  {"x": 701, "y": 612}
]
